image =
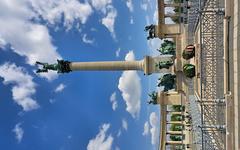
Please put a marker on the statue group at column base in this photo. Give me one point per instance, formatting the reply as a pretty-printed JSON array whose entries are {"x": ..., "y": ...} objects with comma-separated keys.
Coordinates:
[
  {"x": 164, "y": 64},
  {"x": 167, "y": 48},
  {"x": 168, "y": 81}
]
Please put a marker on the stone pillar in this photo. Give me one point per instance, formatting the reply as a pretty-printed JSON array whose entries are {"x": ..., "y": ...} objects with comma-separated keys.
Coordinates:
[
  {"x": 107, "y": 65},
  {"x": 175, "y": 132},
  {"x": 161, "y": 12},
  {"x": 236, "y": 72},
  {"x": 176, "y": 122},
  {"x": 165, "y": 30},
  {"x": 175, "y": 113},
  {"x": 226, "y": 44},
  {"x": 174, "y": 143},
  {"x": 148, "y": 65},
  {"x": 173, "y": 5},
  {"x": 171, "y": 15}
]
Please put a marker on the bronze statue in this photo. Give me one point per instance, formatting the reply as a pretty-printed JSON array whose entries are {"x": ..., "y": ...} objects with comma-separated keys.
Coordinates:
[
  {"x": 47, "y": 67},
  {"x": 168, "y": 81},
  {"x": 153, "y": 97},
  {"x": 151, "y": 30},
  {"x": 164, "y": 64},
  {"x": 189, "y": 70},
  {"x": 167, "y": 48},
  {"x": 189, "y": 52},
  {"x": 61, "y": 67},
  {"x": 149, "y": 27}
]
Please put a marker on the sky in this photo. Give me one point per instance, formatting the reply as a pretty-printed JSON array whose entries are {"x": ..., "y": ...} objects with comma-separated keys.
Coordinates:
[{"x": 88, "y": 110}]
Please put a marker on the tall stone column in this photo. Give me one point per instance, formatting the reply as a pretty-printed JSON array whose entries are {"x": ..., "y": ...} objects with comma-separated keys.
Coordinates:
[
  {"x": 148, "y": 65},
  {"x": 107, "y": 65}
]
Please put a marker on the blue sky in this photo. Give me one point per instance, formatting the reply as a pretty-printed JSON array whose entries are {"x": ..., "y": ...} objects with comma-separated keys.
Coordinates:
[{"x": 80, "y": 110}]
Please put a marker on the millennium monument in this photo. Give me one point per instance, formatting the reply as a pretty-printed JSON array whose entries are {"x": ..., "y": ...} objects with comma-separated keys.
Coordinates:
[
  {"x": 199, "y": 103},
  {"x": 170, "y": 62}
]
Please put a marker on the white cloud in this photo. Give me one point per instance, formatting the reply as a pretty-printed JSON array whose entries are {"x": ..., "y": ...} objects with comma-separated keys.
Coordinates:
[
  {"x": 86, "y": 40},
  {"x": 124, "y": 124},
  {"x": 101, "y": 4},
  {"x": 101, "y": 141},
  {"x": 18, "y": 132},
  {"x": 119, "y": 133},
  {"x": 130, "y": 56},
  {"x": 109, "y": 20},
  {"x": 31, "y": 39},
  {"x": 129, "y": 5},
  {"x": 60, "y": 88},
  {"x": 2, "y": 43},
  {"x": 23, "y": 85},
  {"x": 109, "y": 12},
  {"x": 147, "y": 19},
  {"x": 117, "y": 148},
  {"x": 93, "y": 30},
  {"x": 130, "y": 86},
  {"x": 52, "y": 11},
  {"x": 113, "y": 100},
  {"x": 69, "y": 12},
  {"x": 154, "y": 44},
  {"x": 155, "y": 16},
  {"x": 69, "y": 137},
  {"x": 144, "y": 6},
  {"x": 52, "y": 101},
  {"x": 131, "y": 20},
  {"x": 27, "y": 39},
  {"x": 146, "y": 128},
  {"x": 118, "y": 52},
  {"x": 153, "y": 119}
]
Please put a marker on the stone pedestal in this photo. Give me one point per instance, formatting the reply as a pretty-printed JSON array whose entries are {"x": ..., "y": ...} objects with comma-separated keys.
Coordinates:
[
  {"x": 170, "y": 98},
  {"x": 167, "y": 30}
]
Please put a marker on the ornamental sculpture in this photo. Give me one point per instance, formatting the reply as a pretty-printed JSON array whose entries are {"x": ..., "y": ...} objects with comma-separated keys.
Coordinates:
[
  {"x": 167, "y": 48},
  {"x": 168, "y": 81}
]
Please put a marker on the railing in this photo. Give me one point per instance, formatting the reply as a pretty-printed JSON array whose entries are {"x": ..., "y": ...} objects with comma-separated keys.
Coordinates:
[
  {"x": 207, "y": 17},
  {"x": 193, "y": 18},
  {"x": 211, "y": 47}
]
